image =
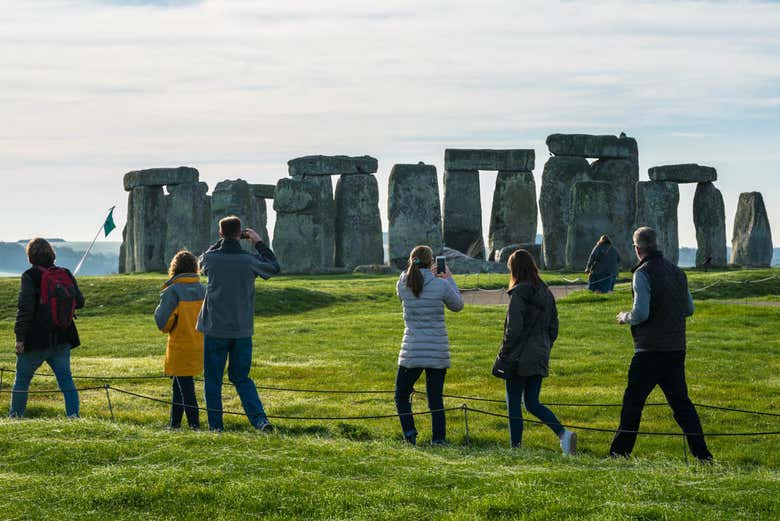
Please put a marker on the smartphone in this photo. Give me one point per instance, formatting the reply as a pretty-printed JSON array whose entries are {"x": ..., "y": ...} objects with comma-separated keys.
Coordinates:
[{"x": 441, "y": 264}]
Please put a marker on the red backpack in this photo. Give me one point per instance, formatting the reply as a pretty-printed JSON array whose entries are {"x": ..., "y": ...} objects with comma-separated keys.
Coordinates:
[{"x": 58, "y": 298}]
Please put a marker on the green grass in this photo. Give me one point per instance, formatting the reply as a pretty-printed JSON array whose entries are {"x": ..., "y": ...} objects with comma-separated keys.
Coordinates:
[{"x": 343, "y": 332}]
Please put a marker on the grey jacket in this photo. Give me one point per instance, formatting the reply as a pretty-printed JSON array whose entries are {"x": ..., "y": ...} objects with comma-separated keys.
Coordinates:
[
  {"x": 229, "y": 307},
  {"x": 425, "y": 342},
  {"x": 604, "y": 261}
]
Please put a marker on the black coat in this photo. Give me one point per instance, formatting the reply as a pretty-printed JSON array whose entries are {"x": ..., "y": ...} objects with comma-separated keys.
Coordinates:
[
  {"x": 530, "y": 329},
  {"x": 29, "y": 328}
]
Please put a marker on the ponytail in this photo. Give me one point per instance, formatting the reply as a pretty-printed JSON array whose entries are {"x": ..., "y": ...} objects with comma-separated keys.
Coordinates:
[{"x": 420, "y": 258}]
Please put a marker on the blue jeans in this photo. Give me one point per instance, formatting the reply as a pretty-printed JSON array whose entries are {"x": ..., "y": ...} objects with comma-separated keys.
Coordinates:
[
  {"x": 602, "y": 283},
  {"x": 527, "y": 389},
  {"x": 26, "y": 365},
  {"x": 237, "y": 354},
  {"x": 434, "y": 387}
]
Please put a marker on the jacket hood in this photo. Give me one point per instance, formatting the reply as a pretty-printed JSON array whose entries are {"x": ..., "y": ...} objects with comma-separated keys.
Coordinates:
[
  {"x": 534, "y": 295},
  {"x": 182, "y": 278}
]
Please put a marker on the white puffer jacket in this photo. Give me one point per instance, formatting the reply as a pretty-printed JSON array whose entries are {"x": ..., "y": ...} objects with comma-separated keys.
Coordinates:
[{"x": 425, "y": 342}]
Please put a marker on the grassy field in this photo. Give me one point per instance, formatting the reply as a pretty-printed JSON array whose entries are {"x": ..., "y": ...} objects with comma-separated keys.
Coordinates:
[{"x": 343, "y": 332}]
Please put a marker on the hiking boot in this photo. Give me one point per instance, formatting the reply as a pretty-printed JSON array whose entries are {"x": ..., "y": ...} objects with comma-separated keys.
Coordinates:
[{"x": 569, "y": 442}]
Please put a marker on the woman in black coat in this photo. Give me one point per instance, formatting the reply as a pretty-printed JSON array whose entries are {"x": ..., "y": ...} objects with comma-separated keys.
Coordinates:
[{"x": 530, "y": 328}]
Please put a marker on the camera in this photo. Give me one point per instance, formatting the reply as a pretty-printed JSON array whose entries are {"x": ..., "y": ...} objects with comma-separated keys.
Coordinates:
[{"x": 244, "y": 234}]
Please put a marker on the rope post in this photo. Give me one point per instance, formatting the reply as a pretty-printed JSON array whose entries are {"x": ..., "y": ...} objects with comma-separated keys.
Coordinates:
[
  {"x": 466, "y": 423},
  {"x": 108, "y": 399}
]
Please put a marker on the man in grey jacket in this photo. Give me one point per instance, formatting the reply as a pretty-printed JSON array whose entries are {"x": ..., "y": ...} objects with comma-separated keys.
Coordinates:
[{"x": 227, "y": 318}]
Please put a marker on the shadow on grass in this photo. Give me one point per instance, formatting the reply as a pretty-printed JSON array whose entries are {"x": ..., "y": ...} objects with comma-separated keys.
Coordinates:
[{"x": 274, "y": 301}]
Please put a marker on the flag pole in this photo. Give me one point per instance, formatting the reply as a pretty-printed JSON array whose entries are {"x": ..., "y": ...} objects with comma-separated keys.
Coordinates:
[{"x": 84, "y": 257}]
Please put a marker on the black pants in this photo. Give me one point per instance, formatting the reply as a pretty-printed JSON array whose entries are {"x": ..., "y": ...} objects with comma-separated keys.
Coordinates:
[
  {"x": 434, "y": 387},
  {"x": 184, "y": 393},
  {"x": 667, "y": 370}
]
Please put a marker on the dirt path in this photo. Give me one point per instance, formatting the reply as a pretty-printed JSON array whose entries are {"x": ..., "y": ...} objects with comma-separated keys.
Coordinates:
[{"x": 498, "y": 297}]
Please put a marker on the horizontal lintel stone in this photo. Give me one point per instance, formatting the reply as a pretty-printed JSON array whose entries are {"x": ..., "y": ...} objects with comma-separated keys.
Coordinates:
[
  {"x": 686, "y": 173},
  {"x": 332, "y": 165},
  {"x": 160, "y": 177},
  {"x": 521, "y": 160},
  {"x": 587, "y": 145},
  {"x": 264, "y": 191}
]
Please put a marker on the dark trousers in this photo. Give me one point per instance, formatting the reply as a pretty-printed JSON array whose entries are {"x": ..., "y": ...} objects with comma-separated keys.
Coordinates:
[
  {"x": 526, "y": 389},
  {"x": 667, "y": 370},
  {"x": 184, "y": 400},
  {"x": 434, "y": 387}
]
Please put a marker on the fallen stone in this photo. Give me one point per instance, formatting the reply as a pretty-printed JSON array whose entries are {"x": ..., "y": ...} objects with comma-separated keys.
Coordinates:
[
  {"x": 709, "y": 218},
  {"x": 463, "y": 213},
  {"x": 332, "y": 165},
  {"x": 487, "y": 159},
  {"x": 534, "y": 249},
  {"x": 591, "y": 215},
  {"x": 559, "y": 175},
  {"x": 656, "y": 207},
  {"x": 264, "y": 191},
  {"x": 622, "y": 174},
  {"x": 460, "y": 263},
  {"x": 751, "y": 243},
  {"x": 513, "y": 217},
  {"x": 147, "y": 213},
  {"x": 687, "y": 173},
  {"x": 376, "y": 269},
  {"x": 586, "y": 145},
  {"x": 358, "y": 224},
  {"x": 414, "y": 211},
  {"x": 160, "y": 177}
]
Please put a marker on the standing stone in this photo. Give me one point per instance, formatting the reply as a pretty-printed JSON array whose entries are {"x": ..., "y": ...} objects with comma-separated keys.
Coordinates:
[
  {"x": 709, "y": 218},
  {"x": 656, "y": 207},
  {"x": 261, "y": 193},
  {"x": 202, "y": 216},
  {"x": 233, "y": 197},
  {"x": 188, "y": 215},
  {"x": 304, "y": 235},
  {"x": 127, "y": 250},
  {"x": 358, "y": 224},
  {"x": 414, "y": 211},
  {"x": 513, "y": 217},
  {"x": 591, "y": 214},
  {"x": 463, "y": 213},
  {"x": 560, "y": 174},
  {"x": 751, "y": 244},
  {"x": 623, "y": 175},
  {"x": 147, "y": 213}
]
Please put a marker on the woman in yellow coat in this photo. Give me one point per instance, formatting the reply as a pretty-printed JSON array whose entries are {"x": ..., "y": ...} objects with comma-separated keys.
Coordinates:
[{"x": 177, "y": 314}]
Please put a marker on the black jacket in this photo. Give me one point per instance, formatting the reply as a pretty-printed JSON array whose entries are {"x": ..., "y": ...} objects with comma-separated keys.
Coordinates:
[
  {"x": 530, "y": 329},
  {"x": 604, "y": 261},
  {"x": 28, "y": 327}
]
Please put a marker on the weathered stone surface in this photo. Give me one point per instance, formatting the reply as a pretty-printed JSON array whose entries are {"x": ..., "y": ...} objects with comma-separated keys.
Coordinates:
[
  {"x": 687, "y": 173},
  {"x": 232, "y": 197},
  {"x": 460, "y": 263},
  {"x": 591, "y": 215},
  {"x": 376, "y": 269},
  {"x": 264, "y": 191},
  {"x": 261, "y": 217},
  {"x": 622, "y": 174},
  {"x": 656, "y": 207},
  {"x": 186, "y": 206},
  {"x": 332, "y": 165},
  {"x": 358, "y": 224},
  {"x": 304, "y": 234},
  {"x": 709, "y": 218},
  {"x": 147, "y": 213},
  {"x": 463, "y": 213},
  {"x": 560, "y": 174},
  {"x": 487, "y": 159},
  {"x": 751, "y": 243},
  {"x": 160, "y": 177},
  {"x": 513, "y": 218},
  {"x": 127, "y": 250},
  {"x": 534, "y": 249},
  {"x": 586, "y": 145},
  {"x": 414, "y": 211}
]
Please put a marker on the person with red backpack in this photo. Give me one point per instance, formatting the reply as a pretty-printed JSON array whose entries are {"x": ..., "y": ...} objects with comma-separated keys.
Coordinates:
[{"x": 45, "y": 331}]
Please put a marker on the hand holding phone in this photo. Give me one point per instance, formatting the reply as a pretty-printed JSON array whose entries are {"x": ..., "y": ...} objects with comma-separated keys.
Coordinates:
[{"x": 441, "y": 266}]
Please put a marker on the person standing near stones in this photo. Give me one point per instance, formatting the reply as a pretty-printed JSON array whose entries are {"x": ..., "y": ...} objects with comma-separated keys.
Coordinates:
[
  {"x": 603, "y": 266},
  {"x": 424, "y": 292},
  {"x": 227, "y": 318},
  {"x": 662, "y": 302},
  {"x": 42, "y": 336},
  {"x": 530, "y": 329}
]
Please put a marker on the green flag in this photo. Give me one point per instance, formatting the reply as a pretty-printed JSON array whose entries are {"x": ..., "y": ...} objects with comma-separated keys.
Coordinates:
[{"x": 109, "y": 225}]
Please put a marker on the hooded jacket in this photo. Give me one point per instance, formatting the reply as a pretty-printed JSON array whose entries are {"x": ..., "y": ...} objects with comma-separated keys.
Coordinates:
[
  {"x": 530, "y": 329},
  {"x": 177, "y": 314}
]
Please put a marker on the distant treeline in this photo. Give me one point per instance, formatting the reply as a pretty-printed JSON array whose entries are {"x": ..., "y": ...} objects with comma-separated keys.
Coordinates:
[{"x": 13, "y": 259}]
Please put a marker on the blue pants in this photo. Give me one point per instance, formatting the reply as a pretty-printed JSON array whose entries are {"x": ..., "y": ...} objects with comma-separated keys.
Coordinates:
[
  {"x": 434, "y": 387},
  {"x": 237, "y": 354},
  {"x": 602, "y": 283},
  {"x": 526, "y": 389},
  {"x": 26, "y": 365}
]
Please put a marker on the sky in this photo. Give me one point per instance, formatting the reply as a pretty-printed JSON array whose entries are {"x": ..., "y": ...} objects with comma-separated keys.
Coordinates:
[{"x": 91, "y": 89}]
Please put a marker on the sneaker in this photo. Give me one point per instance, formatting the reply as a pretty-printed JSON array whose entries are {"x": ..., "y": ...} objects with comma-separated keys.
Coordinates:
[
  {"x": 265, "y": 427},
  {"x": 439, "y": 443},
  {"x": 569, "y": 442}
]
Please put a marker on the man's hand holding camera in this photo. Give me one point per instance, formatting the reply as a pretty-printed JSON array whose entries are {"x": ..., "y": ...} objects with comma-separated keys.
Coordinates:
[{"x": 251, "y": 235}]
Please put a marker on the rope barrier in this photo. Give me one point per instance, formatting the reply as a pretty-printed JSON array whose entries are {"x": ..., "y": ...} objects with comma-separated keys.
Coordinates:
[{"x": 51, "y": 391}]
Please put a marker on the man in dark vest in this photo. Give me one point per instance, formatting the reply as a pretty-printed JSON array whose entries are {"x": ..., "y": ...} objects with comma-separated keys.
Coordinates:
[{"x": 662, "y": 302}]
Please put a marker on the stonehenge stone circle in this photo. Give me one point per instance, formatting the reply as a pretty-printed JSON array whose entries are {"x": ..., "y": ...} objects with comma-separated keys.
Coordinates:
[
  {"x": 332, "y": 165},
  {"x": 358, "y": 224},
  {"x": 187, "y": 219},
  {"x": 413, "y": 210},
  {"x": 686, "y": 173},
  {"x": 513, "y": 218},
  {"x": 488, "y": 159},
  {"x": 559, "y": 175},
  {"x": 751, "y": 243},
  {"x": 160, "y": 177},
  {"x": 590, "y": 216},
  {"x": 623, "y": 174},
  {"x": 233, "y": 197},
  {"x": 585, "y": 145},
  {"x": 463, "y": 213},
  {"x": 657, "y": 203},
  {"x": 709, "y": 218}
]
